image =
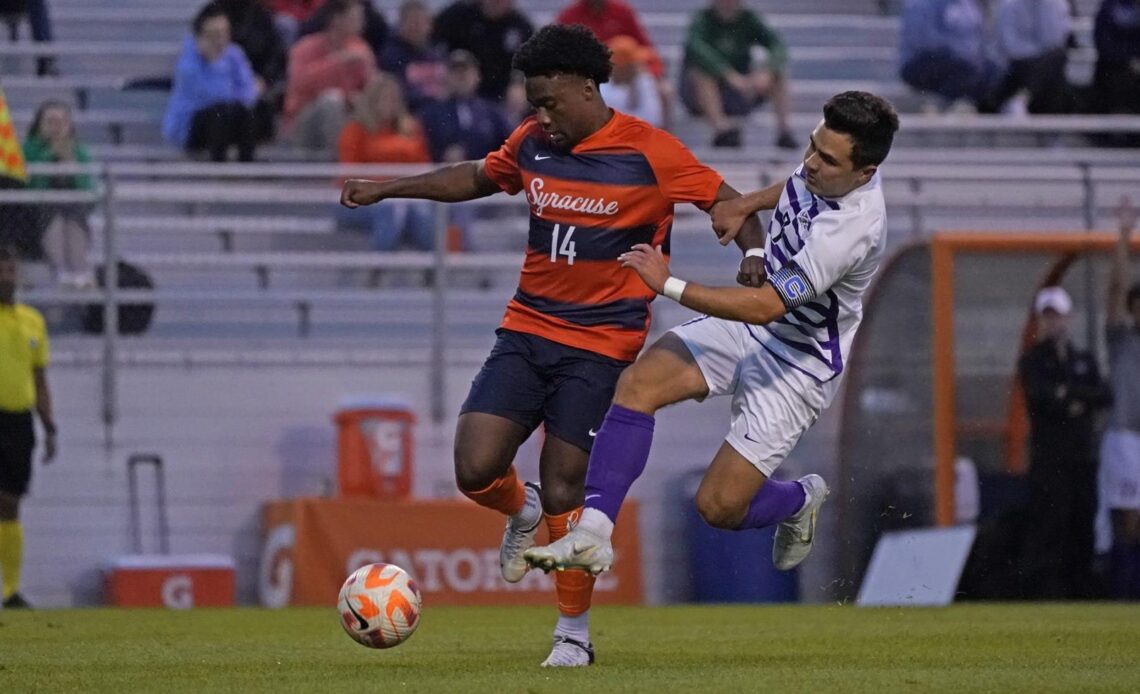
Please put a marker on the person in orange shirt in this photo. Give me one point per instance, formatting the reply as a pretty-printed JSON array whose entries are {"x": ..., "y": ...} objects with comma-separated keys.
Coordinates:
[
  {"x": 597, "y": 182},
  {"x": 382, "y": 131},
  {"x": 325, "y": 71}
]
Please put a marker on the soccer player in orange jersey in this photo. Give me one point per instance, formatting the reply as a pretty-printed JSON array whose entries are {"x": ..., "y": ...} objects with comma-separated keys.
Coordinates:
[{"x": 598, "y": 182}]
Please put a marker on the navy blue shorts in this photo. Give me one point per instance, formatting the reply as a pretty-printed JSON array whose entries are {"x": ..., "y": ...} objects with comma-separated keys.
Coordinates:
[
  {"x": 17, "y": 442},
  {"x": 531, "y": 380}
]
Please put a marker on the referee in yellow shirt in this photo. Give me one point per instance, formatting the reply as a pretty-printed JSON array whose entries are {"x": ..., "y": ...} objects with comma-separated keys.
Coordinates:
[{"x": 23, "y": 387}]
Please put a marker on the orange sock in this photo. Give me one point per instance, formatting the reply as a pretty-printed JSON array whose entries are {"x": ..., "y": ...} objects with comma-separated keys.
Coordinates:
[
  {"x": 575, "y": 587},
  {"x": 506, "y": 494}
]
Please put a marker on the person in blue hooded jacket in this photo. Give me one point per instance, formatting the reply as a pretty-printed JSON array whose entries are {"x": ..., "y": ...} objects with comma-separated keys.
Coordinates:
[
  {"x": 945, "y": 49},
  {"x": 211, "y": 105}
]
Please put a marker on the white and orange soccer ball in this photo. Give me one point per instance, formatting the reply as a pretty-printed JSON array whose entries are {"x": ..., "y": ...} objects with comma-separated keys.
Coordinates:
[{"x": 379, "y": 605}]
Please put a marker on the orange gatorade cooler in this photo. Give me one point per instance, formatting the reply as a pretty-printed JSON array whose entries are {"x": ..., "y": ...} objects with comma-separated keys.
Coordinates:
[
  {"x": 170, "y": 580},
  {"x": 375, "y": 449}
]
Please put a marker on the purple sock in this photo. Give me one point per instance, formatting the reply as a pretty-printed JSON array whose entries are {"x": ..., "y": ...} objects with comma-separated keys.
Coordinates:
[
  {"x": 776, "y": 501},
  {"x": 620, "y": 452}
]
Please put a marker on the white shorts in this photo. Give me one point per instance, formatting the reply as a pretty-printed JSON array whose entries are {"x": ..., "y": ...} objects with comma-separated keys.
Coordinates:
[
  {"x": 1120, "y": 469},
  {"x": 770, "y": 409}
]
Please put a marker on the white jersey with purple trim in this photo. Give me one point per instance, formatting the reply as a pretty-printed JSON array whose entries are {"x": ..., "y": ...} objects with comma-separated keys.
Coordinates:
[{"x": 821, "y": 255}]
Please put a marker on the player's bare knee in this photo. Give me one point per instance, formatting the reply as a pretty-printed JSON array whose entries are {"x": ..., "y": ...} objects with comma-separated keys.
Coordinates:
[
  {"x": 473, "y": 473},
  {"x": 636, "y": 390},
  {"x": 718, "y": 510}
]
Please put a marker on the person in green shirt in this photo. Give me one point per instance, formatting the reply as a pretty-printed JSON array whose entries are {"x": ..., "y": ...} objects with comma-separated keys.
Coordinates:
[
  {"x": 67, "y": 237},
  {"x": 719, "y": 80}
]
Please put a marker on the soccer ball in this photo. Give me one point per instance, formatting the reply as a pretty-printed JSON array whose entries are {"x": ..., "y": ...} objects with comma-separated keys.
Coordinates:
[{"x": 379, "y": 605}]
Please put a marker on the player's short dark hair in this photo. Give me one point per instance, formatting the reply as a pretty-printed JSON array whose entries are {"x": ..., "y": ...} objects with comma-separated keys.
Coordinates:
[
  {"x": 560, "y": 49},
  {"x": 8, "y": 254},
  {"x": 870, "y": 121},
  {"x": 1132, "y": 296},
  {"x": 208, "y": 12}
]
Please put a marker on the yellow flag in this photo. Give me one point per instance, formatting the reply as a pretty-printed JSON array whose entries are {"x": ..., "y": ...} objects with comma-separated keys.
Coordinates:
[{"x": 11, "y": 157}]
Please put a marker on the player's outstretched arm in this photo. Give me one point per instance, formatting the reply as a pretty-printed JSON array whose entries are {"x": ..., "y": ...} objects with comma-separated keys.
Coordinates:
[
  {"x": 464, "y": 181},
  {"x": 729, "y": 215},
  {"x": 754, "y": 305}
]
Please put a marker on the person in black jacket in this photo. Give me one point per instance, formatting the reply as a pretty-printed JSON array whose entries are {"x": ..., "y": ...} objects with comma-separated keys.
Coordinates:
[
  {"x": 252, "y": 28},
  {"x": 1063, "y": 392}
]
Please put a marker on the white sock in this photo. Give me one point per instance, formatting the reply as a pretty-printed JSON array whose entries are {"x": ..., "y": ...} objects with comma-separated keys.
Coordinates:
[
  {"x": 596, "y": 523},
  {"x": 531, "y": 512},
  {"x": 577, "y": 628}
]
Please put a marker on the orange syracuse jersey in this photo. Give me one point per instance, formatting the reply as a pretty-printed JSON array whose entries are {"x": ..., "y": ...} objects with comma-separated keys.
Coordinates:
[{"x": 588, "y": 205}]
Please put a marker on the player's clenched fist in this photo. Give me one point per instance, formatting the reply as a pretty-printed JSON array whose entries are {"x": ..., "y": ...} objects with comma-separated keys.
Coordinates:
[
  {"x": 650, "y": 263},
  {"x": 727, "y": 218},
  {"x": 752, "y": 272},
  {"x": 359, "y": 191}
]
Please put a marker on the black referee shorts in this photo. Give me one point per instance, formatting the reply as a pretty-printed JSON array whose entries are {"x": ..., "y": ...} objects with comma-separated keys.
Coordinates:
[{"x": 17, "y": 441}]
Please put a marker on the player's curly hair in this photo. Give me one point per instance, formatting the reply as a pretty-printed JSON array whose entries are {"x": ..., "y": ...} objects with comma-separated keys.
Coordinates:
[
  {"x": 567, "y": 50},
  {"x": 870, "y": 121}
]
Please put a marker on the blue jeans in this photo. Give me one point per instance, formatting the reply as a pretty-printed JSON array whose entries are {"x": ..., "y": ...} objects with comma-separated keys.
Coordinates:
[{"x": 393, "y": 224}]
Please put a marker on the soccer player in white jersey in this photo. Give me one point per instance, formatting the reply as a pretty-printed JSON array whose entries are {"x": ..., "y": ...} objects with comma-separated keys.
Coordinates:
[{"x": 778, "y": 350}]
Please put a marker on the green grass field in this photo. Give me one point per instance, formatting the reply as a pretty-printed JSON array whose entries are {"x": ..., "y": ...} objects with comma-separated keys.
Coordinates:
[{"x": 998, "y": 648}]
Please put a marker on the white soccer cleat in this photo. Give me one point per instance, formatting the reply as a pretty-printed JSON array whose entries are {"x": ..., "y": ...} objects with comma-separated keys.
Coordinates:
[
  {"x": 519, "y": 534},
  {"x": 794, "y": 536},
  {"x": 569, "y": 653},
  {"x": 580, "y": 549}
]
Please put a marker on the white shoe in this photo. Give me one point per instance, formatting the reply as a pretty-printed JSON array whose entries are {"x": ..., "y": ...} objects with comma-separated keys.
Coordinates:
[
  {"x": 569, "y": 653},
  {"x": 580, "y": 549},
  {"x": 794, "y": 536},
  {"x": 519, "y": 534}
]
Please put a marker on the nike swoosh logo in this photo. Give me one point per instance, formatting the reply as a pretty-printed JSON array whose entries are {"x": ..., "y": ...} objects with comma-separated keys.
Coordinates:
[
  {"x": 750, "y": 438},
  {"x": 593, "y": 496},
  {"x": 539, "y": 157},
  {"x": 362, "y": 620},
  {"x": 592, "y": 433}
]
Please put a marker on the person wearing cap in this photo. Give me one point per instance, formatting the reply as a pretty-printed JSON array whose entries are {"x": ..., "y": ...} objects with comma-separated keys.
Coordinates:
[
  {"x": 411, "y": 57},
  {"x": 632, "y": 88},
  {"x": 1063, "y": 392},
  {"x": 1120, "y": 449},
  {"x": 463, "y": 126}
]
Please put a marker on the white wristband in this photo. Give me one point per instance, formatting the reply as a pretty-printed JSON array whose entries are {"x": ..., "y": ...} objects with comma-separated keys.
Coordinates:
[
  {"x": 674, "y": 288},
  {"x": 754, "y": 253}
]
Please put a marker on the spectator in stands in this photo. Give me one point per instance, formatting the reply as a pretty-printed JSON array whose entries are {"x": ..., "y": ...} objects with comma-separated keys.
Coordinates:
[
  {"x": 491, "y": 30},
  {"x": 67, "y": 237},
  {"x": 40, "y": 21},
  {"x": 411, "y": 57},
  {"x": 632, "y": 88},
  {"x": 1116, "y": 84},
  {"x": 382, "y": 131},
  {"x": 1034, "y": 36},
  {"x": 288, "y": 15},
  {"x": 326, "y": 70},
  {"x": 375, "y": 32},
  {"x": 24, "y": 393},
  {"x": 609, "y": 19},
  {"x": 463, "y": 127},
  {"x": 719, "y": 80},
  {"x": 211, "y": 105},
  {"x": 1063, "y": 394},
  {"x": 1120, "y": 449},
  {"x": 945, "y": 50},
  {"x": 252, "y": 28}
]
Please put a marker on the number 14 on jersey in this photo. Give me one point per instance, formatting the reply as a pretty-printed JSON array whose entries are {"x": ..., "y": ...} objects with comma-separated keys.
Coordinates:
[{"x": 566, "y": 249}]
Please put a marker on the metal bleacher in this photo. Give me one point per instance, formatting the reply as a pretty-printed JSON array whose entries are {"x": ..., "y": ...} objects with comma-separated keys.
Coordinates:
[{"x": 255, "y": 249}]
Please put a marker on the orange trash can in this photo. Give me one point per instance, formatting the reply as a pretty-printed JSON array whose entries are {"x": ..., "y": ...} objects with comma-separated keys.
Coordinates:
[{"x": 375, "y": 450}]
